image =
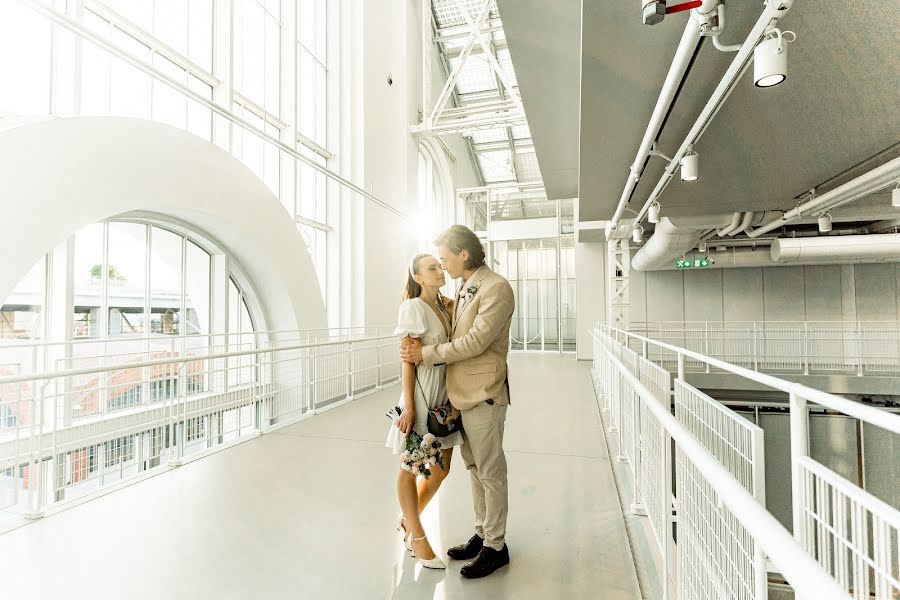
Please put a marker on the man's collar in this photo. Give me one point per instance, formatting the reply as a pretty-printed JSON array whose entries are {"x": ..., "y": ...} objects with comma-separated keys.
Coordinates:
[{"x": 474, "y": 273}]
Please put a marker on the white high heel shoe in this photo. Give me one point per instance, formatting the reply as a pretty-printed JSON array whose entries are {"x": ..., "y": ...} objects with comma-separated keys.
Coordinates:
[
  {"x": 431, "y": 563},
  {"x": 407, "y": 536}
]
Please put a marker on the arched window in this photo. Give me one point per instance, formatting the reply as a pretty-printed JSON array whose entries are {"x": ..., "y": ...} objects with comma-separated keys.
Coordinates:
[
  {"x": 436, "y": 205},
  {"x": 139, "y": 289}
]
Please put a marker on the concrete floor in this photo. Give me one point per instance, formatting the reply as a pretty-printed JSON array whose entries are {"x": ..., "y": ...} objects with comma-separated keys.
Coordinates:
[{"x": 309, "y": 511}]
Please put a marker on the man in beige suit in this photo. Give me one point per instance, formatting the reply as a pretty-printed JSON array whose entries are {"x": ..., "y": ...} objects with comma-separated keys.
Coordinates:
[{"x": 478, "y": 386}]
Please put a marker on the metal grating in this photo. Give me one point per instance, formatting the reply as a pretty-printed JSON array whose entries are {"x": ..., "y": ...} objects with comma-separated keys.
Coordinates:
[
  {"x": 527, "y": 167},
  {"x": 496, "y": 166},
  {"x": 488, "y": 135},
  {"x": 478, "y": 84},
  {"x": 476, "y": 75},
  {"x": 447, "y": 12}
]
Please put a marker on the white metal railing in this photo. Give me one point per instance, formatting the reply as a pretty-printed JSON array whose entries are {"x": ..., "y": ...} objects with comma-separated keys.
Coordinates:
[
  {"x": 70, "y": 432},
  {"x": 807, "y": 347},
  {"x": 738, "y": 445},
  {"x": 724, "y": 530},
  {"x": 853, "y": 535},
  {"x": 36, "y": 355}
]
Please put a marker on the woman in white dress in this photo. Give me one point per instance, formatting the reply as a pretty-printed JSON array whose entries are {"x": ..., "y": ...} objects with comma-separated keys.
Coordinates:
[{"x": 425, "y": 314}]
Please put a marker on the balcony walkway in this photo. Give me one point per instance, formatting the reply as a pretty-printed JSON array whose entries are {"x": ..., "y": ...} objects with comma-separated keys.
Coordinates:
[{"x": 308, "y": 511}]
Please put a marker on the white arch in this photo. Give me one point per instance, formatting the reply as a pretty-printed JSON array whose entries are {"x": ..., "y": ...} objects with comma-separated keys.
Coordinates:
[{"x": 61, "y": 175}]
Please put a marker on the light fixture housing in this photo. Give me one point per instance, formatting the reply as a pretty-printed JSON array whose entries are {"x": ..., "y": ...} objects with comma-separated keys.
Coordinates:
[
  {"x": 690, "y": 166},
  {"x": 770, "y": 61},
  {"x": 637, "y": 234},
  {"x": 702, "y": 247},
  {"x": 653, "y": 212},
  {"x": 825, "y": 223}
]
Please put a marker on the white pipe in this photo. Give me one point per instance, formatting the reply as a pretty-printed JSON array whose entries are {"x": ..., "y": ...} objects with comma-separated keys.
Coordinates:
[
  {"x": 844, "y": 249},
  {"x": 863, "y": 185},
  {"x": 745, "y": 224},
  {"x": 686, "y": 47},
  {"x": 719, "y": 45},
  {"x": 770, "y": 15},
  {"x": 666, "y": 243},
  {"x": 735, "y": 221}
]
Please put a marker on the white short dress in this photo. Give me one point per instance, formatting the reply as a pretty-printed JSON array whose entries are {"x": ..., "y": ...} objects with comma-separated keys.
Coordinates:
[{"x": 417, "y": 319}]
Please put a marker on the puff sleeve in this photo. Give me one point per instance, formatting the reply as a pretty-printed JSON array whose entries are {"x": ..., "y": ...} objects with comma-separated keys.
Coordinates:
[{"x": 411, "y": 319}]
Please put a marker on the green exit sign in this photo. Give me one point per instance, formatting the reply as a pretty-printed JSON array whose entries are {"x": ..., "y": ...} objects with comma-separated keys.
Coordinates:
[{"x": 696, "y": 263}]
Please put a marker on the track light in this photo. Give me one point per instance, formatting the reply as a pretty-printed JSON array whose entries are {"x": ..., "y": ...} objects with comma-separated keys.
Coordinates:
[
  {"x": 690, "y": 165},
  {"x": 895, "y": 196},
  {"x": 825, "y": 223},
  {"x": 653, "y": 212},
  {"x": 770, "y": 58},
  {"x": 637, "y": 233}
]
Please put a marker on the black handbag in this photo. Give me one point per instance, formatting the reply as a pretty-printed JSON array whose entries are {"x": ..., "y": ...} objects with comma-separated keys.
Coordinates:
[{"x": 442, "y": 420}]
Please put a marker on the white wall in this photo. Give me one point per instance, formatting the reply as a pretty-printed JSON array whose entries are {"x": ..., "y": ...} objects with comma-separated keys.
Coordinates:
[
  {"x": 804, "y": 293},
  {"x": 392, "y": 45},
  {"x": 590, "y": 293}
]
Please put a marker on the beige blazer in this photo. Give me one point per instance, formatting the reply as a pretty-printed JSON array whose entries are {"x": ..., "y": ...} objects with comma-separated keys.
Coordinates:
[{"x": 479, "y": 343}]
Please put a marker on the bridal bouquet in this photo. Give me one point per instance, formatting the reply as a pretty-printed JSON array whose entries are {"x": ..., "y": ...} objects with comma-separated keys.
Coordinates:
[{"x": 421, "y": 453}]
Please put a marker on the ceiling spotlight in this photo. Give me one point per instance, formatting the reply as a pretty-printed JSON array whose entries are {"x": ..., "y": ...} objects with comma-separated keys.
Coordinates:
[
  {"x": 690, "y": 165},
  {"x": 702, "y": 246},
  {"x": 895, "y": 196},
  {"x": 770, "y": 58},
  {"x": 637, "y": 233},
  {"x": 653, "y": 212},
  {"x": 825, "y": 223}
]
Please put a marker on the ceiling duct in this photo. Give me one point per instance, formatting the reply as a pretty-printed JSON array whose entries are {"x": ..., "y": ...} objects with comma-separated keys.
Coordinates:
[
  {"x": 667, "y": 242},
  {"x": 844, "y": 249}
]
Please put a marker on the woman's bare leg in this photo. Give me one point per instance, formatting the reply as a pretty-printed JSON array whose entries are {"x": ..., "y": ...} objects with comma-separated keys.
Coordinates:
[
  {"x": 406, "y": 493},
  {"x": 427, "y": 488}
]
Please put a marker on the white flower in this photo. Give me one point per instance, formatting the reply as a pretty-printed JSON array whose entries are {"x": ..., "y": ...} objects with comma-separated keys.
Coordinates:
[{"x": 428, "y": 438}]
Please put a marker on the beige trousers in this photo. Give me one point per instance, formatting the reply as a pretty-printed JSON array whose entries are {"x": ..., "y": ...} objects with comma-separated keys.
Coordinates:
[{"x": 483, "y": 454}]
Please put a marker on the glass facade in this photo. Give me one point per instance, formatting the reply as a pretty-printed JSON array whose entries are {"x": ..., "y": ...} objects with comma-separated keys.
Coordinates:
[{"x": 266, "y": 63}]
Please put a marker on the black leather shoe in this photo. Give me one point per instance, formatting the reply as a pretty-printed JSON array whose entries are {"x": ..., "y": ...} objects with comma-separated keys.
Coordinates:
[
  {"x": 468, "y": 550},
  {"x": 488, "y": 561}
]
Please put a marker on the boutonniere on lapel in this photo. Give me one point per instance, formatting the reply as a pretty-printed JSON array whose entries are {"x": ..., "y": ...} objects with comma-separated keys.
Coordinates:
[{"x": 472, "y": 290}]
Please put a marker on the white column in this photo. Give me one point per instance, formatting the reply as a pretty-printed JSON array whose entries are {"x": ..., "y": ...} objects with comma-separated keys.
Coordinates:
[{"x": 61, "y": 299}]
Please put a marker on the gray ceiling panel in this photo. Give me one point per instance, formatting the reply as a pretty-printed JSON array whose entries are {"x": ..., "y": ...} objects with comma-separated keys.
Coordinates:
[
  {"x": 544, "y": 42},
  {"x": 839, "y": 106}
]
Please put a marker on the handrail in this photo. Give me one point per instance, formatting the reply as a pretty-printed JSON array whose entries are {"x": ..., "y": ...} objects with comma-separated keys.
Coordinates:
[
  {"x": 799, "y": 569},
  {"x": 874, "y": 416},
  {"x": 167, "y": 361},
  {"x": 9, "y": 343}
]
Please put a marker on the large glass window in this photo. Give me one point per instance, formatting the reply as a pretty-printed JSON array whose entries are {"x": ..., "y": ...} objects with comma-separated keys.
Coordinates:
[
  {"x": 21, "y": 312},
  {"x": 257, "y": 56},
  {"x": 24, "y": 60},
  {"x": 87, "y": 279},
  {"x": 165, "y": 282},
  {"x": 126, "y": 283},
  {"x": 49, "y": 70},
  {"x": 185, "y": 26},
  {"x": 312, "y": 70}
]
